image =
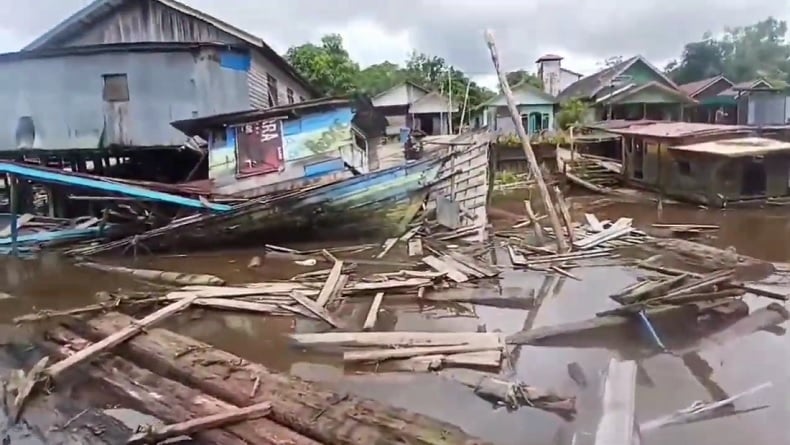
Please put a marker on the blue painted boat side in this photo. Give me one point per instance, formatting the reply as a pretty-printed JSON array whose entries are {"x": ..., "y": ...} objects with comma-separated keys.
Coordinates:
[
  {"x": 56, "y": 235},
  {"x": 380, "y": 180},
  {"x": 111, "y": 187}
]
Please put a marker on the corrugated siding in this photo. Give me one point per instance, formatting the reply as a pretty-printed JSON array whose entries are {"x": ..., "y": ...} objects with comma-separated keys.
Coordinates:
[
  {"x": 150, "y": 21},
  {"x": 259, "y": 97},
  {"x": 162, "y": 87}
]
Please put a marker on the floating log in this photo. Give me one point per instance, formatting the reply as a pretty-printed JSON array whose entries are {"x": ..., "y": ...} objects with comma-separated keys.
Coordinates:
[
  {"x": 159, "y": 275},
  {"x": 545, "y": 334},
  {"x": 190, "y": 427},
  {"x": 142, "y": 390},
  {"x": 304, "y": 407}
]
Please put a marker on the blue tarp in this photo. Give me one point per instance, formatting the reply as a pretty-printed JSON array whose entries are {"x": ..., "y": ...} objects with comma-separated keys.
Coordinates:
[{"x": 50, "y": 177}]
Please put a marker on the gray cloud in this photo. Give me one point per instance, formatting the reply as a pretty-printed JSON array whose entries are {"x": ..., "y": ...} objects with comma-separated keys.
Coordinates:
[{"x": 453, "y": 28}]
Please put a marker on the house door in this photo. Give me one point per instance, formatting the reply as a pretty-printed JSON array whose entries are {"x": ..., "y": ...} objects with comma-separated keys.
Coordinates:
[
  {"x": 754, "y": 179},
  {"x": 259, "y": 147}
]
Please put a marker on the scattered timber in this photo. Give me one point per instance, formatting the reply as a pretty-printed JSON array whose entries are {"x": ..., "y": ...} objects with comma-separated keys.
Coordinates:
[
  {"x": 510, "y": 393},
  {"x": 316, "y": 309},
  {"x": 140, "y": 389},
  {"x": 56, "y": 418},
  {"x": 441, "y": 266},
  {"x": 428, "y": 363},
  {"x": 304, "y": 407},
  {"x": 159, "y": 275},
  {"x": 330, "y": 285}
]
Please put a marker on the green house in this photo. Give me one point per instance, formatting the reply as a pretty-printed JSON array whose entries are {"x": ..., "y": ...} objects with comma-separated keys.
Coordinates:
[
  {"x": 632, "y": 89},
  {"x": 535, "y": 106}
]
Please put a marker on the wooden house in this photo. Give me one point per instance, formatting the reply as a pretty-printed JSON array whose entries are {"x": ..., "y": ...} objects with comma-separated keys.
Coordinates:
[
  {"x": 535, "y": 106},
  {"x": 704, "y": 163},
  {"x": 271, "y": 80},
  {"x": 632, "y": 89},
  {"x": 755, "y": 102},
  {"x": 408, "y": 105},
  {"x": 251, "y": 153}
]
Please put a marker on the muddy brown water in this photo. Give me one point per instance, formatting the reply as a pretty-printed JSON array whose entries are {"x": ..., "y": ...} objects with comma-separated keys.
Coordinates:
[{"x": 666, "y": 383}]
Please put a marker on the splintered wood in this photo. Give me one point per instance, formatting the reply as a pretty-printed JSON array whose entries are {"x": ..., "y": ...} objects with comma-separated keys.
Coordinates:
[
  {"x": 370, "y": 320},
  {"x": 192, "y": 426}
]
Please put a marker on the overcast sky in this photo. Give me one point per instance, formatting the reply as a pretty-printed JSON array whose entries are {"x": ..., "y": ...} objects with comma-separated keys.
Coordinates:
[{"x": 584, "y": 32}]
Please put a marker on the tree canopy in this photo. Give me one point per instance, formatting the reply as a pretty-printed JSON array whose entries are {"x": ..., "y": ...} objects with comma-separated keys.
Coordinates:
[
  {"x": 331, "y": 70},
  {"x": 741, "y": 53}
]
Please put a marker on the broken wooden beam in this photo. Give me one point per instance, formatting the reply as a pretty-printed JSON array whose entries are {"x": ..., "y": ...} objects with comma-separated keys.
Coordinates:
[
  {"x": 398, "y": 339},
  {"x": 192, "y": 426},
  {"x": 328, "y": 290},
  {"x": 313, "y": 307},
  {"x": 54, "y": 371},
  {"x": 441, "y": 266},
  {"x": 373, "y": 312},
  {"x": 618, "y": 423},
  {"x": 377, "y": 355}
]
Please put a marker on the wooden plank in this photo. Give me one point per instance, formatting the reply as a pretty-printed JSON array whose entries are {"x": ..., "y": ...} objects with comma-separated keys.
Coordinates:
[
  {"x": 370, "y": 321},
  {"x": 516, "y": 258},
  {"x": 593, "y": 224},
  {"x": 443, "y": 267},
  {"x": 117, "y": 338},
  {"x": 234, "y": 415},
  {"x": 459, "y": 266},
  {"x": 386, "y": 354},
  {"x": 386, "y": 247},
  {"x": 21, "y": 221},
  {"x": 330, "y": 284},
  {"x": 89, "y": 223},
  {"x": 316, "y": 309},
  {"x": 415, "y": 247},
  {"x": 617, "y": 425},
  {"x": 398, "y": 339},
  {"x": 474, "y": 264}
]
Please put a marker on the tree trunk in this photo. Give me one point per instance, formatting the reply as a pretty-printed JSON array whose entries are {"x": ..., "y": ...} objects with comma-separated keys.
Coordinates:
[
  {"x": 318, "y": 413},
  {"x": 136, "y": 388}
]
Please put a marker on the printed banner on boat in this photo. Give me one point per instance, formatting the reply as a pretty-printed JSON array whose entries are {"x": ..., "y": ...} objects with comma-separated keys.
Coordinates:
[{"x": 317, "y": 133}]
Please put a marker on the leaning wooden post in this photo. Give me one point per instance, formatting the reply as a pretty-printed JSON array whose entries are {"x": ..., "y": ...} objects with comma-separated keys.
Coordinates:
[{"x": 554, "y": 219}]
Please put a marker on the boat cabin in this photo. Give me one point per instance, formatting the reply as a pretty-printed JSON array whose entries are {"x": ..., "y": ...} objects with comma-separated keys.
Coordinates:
[{"x": 251, "y": 153}]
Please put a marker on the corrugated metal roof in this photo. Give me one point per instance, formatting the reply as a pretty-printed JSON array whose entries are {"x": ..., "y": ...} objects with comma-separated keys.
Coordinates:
[
  {"x": 694, "y": 88},
  {"x": 672, "y": 129},
  {"x": 750, "y": 146},
  {"x": 99, "y": 9}
]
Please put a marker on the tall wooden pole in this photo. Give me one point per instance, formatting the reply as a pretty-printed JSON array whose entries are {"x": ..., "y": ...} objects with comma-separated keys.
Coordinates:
[{"x": 562, "y": 245}]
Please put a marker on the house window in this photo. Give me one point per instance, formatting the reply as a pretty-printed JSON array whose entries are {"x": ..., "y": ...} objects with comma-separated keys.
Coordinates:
[
  {"x": 116, "y": 88},
  {"x": 684, "y": 167},
  {"x": 545, "y": 124},
  {"x": 290, "y": 94},
  {"x": 271, "y": 83}
]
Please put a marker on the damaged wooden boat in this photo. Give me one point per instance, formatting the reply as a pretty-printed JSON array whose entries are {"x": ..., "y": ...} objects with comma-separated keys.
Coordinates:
[{"x": 453, "y": 175}]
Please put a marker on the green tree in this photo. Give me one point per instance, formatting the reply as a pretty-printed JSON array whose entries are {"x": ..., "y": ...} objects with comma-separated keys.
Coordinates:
[
  {"x": 743, "y": 53},
  {"x": 571, "y": 113},
  {"x": 519, "y": 76},
  {"x": 328, "y": 66},
  {"x": 379, "y": 77}
]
